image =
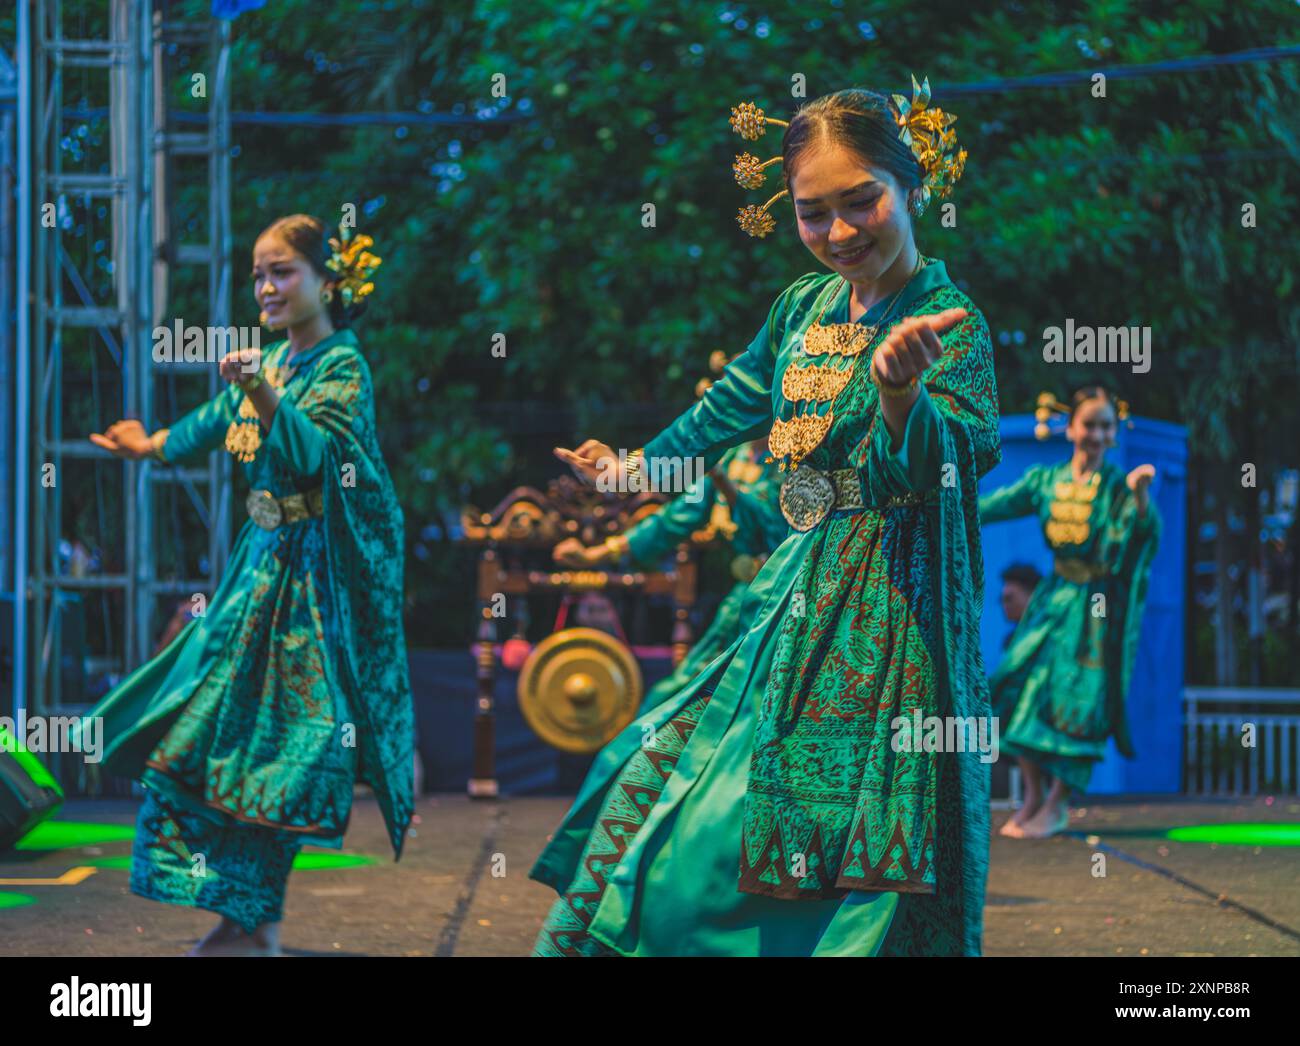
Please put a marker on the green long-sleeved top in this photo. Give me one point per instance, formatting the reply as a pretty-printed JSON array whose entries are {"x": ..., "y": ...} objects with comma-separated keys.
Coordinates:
[{"x": 292, "y": 685}]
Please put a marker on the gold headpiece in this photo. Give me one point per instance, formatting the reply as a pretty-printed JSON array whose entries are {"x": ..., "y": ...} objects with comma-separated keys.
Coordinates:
[
  {"x": 354, "y": 265},
  {"x": 748, "y": 121},
  {"x": 1049, "y": 404},
  {"x": 926, "y": 130}
]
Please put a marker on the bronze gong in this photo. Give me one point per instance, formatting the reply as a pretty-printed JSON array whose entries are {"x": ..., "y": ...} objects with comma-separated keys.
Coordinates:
[{"x": 579, "y": 688}]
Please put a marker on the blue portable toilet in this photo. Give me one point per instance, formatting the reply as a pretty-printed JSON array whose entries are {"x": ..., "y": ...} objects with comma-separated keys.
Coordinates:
[{"x": 1155, "y": 696}]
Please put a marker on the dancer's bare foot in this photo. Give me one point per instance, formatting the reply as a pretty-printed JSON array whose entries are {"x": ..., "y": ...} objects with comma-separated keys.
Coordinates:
[
  {"x": 1011, "y": 829},
  {"x": 227, "y": 938},
  {"x": 1050, "y": 820},
  {"x": 1014, "y": 827}
]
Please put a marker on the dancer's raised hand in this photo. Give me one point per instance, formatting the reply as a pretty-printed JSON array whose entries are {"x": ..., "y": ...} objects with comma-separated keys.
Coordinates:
[
  {"x": 912, "y": 346},
  {"x": 124, "y": 439},
  {"x": 241, "y": 364},
  {"x": 1140, "y": 478},
  {"x": 590, "y": 460}
]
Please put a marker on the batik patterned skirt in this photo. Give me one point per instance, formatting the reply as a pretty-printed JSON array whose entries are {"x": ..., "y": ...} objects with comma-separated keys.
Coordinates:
[
  {"x": 211, "y": 862},
  {"x": 647, "y": 861}
]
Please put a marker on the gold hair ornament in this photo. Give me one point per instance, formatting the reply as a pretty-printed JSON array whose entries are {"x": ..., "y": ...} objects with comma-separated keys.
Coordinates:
[
  {"x": 718, "y": 362},
  {"x": 1047, "y": 405},
  {"x": 927, "y": 130},
  {"x": 749, "y": 121},
  {"x": 353, "y": 264}
]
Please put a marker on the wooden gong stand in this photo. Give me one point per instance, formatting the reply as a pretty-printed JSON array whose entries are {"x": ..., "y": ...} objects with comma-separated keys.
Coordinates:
[{"x": 528, "y": 520}]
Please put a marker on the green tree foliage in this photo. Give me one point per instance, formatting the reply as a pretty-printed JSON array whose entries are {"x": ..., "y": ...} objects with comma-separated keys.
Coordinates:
[{"x": 526, "y": 219}]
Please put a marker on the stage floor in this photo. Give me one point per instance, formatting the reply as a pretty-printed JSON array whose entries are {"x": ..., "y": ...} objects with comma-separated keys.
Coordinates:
[{"x": 1158, "y": 896}]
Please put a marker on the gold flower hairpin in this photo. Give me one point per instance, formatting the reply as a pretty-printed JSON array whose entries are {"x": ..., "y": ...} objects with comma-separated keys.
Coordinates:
[
  {"x": 354, "y": 265},
  {"x": 718, "y": 362},
  {"x": 927, "y": 130}
]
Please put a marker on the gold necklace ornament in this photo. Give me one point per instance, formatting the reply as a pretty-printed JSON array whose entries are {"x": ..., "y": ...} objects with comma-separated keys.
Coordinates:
[
  {"x": 1071, "y": 510},
  {"x": 244, "y": 436},
  {"x": 807, "y": 494},
  {"x": 800, "y": 435}
]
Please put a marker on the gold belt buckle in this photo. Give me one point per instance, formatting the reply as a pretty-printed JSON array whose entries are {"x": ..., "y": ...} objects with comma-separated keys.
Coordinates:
[
  {"x": 806, "y": 497},
  {"x": 264, "y": 510},
  {"x": 269, "y": 512}
]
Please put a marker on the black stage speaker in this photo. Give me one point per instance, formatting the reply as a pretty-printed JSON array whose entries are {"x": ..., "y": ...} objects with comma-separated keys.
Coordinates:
[{"x": 28, "y": 794}]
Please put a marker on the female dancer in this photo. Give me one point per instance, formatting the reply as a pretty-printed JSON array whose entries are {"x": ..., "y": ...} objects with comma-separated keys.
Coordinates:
[
  {"x": 767, "y": 811},
  {"x": 1061, "y": 686},
  {"x": 737, "y": 499},
  {"x": 250, "y": 728}
]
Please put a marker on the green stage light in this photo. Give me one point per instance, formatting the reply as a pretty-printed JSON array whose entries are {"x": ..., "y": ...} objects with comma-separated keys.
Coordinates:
[
  {"x": 60, "y": 835},
  {"x": 15, "y": 900},
  {"x": 317, "y": 861},
  {"x": 303, "y": 862},
  {"x": 122, "y": 862},
  {"x": 1238, "y": 834}
]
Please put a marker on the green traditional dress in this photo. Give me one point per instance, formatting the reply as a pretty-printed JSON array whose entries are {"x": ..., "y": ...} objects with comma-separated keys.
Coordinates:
[
  {"x": 1061, "y": 686},
  {"x": 250, "y": 728},
  {"x": 766, "y": 811},
  {"x": 754, "y": 526}
]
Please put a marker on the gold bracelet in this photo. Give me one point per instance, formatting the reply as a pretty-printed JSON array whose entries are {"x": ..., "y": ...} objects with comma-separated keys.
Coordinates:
[
  {"x": 888, "y": 388},
  {"x": 249, "y": 384},
  {"x": 632, "y": 463},
  {"x": 156, "y": 442},
  {"x": 615, "y": 546}
]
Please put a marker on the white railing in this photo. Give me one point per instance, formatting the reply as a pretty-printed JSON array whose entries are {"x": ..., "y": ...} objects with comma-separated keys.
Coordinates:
[{"x": 1217, "y": 760}]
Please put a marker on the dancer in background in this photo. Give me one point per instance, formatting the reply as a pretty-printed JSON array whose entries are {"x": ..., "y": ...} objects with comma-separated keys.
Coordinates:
[
  {"x": 250, "y": 729},
  {"x": 738, "y": 500},
  {"x": 764, "y": 809},
  {"x": 1060, "y": 688},
  {"x": 1018, "y": 583}
]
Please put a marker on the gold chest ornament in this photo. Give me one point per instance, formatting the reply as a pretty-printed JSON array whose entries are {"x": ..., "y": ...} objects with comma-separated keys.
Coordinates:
[
  {"x": 807, "y": 494},
  {"x": 244, "y": 436},
  {"x": 1071, "y": 509}
]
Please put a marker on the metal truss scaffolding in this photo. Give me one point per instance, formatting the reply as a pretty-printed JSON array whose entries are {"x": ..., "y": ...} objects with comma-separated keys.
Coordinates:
[{"x": 137, "y": 53}]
